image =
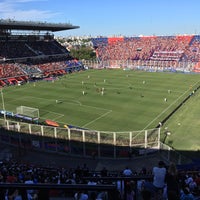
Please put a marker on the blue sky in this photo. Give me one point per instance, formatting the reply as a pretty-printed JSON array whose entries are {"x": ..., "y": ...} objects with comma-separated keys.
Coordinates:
[{"x": 110, "y": 17}]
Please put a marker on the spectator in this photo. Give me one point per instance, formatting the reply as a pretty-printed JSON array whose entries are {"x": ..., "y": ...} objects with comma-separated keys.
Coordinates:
[
  {"x": 156, "y": 188},
  {"x": 81, "y": 195},
  {"x": 189, "y": 181},
  {"x": 197, "y": 180},
  {"x": 85, "y": 170},
  {"x": 104, "y": 172},
  {"x": 130, "y": 193},
  {"x": 186, "y": 194},
  {"x": 31, "y": 194},
  {"x": 172, "y": 181},
  {"x": 102, "y": 196},
  {"x": 159, "y": 174},
  {"x": 127, "y": 171}
]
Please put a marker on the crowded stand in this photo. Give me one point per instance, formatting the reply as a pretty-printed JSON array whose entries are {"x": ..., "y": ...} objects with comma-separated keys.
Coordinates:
[
  {"x": 11, "y": 73},
  {"x": 192, "y": 52},
  {"x": 161, "y": 52},
  {"x": 32, "y": 59},
  {"x": 10, "y": 70},
  {"x": 142, "y": 48},
  {"x": 173, "y": 181},
  {"x": 24, "y": 58},
  {"x": 47, "y": 57},
  {"x": 30, "y": 69}
]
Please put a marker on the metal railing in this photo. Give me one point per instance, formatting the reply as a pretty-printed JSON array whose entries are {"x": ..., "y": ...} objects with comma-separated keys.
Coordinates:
[{"x": 79, "y": 142}]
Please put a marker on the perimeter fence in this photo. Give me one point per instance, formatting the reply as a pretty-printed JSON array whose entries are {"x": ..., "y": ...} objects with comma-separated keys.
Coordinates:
[{"x": 87, "y": 143}]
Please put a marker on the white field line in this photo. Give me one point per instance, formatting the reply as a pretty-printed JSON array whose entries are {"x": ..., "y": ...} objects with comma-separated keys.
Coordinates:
[
  {"x": 72, "y": 102},
  {"x": 76, "y": 101},
  {"x": 165, "y": 110},
  {"x": 109, "y": 111},
  {"x": 106, "y": 113},
  {"x": 59, "y": 115},
  {"x": 28, "y": 97},
  {"x": 99, "y": 108}
]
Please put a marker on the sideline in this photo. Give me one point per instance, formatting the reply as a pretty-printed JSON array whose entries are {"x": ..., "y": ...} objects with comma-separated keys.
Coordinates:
[{"x": 145, "y": 128}]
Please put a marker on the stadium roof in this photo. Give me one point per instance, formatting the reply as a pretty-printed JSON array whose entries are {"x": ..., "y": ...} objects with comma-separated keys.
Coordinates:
[{"x": 34, "y": 26}]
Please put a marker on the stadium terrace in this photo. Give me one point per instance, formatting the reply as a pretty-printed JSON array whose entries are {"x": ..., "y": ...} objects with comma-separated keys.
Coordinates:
[
  {"x": 29, "y": 58},
  {"x": 162, "y": 52}
]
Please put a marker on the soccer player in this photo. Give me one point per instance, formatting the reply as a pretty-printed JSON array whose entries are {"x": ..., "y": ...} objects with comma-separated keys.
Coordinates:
[{"x": 58, "y": 101}]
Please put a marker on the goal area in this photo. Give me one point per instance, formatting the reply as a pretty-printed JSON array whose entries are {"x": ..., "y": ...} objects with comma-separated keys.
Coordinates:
[{"x": 28, "y": 111}]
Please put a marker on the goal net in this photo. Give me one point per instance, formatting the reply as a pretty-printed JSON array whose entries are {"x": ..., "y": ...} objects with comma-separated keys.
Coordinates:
[{"x": 28, "y": 111}]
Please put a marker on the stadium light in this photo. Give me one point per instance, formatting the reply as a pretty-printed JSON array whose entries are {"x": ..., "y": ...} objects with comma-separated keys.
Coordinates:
[{"x": 3, "y": 105}]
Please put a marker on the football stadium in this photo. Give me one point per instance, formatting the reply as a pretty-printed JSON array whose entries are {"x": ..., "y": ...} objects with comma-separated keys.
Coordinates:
[{"x": 138, "y": 100}]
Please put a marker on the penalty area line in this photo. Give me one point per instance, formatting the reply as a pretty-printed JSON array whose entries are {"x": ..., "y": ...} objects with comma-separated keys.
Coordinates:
[
  {"x": 103, "y": 115},
  {"x": 58, "y": 114}
]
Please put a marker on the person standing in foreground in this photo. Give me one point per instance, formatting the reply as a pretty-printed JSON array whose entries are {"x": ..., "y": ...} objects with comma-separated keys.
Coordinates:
[
  {"x": 173, "y": 189},
  {"x": 155, "y": 188},
  {"x": 159, "y": 174}
]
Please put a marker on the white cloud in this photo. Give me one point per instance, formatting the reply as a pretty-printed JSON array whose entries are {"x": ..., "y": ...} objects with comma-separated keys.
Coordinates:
[
  {"x": 17, "y": 9},
  {"x": 29, "y": 15}
]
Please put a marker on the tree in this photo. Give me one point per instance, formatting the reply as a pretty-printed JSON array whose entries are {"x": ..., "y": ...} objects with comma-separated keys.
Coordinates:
[{"x": 83, "y": 52}]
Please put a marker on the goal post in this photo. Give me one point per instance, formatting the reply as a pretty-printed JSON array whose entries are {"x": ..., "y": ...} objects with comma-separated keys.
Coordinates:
[{"x": 28, "y": 111}]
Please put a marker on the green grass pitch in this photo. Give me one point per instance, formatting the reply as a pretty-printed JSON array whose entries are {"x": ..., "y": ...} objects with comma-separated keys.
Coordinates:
[{"x": 116, "y": 100}]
